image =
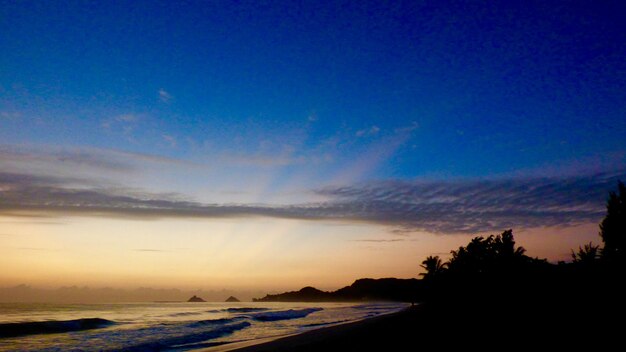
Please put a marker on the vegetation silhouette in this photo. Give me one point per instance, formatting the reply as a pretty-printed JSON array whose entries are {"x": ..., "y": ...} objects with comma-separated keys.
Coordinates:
[
  {"x": 493, "y": 270},
  {"x": 613, "y": 227},
  {"x": 433, "y": 266},
  {"x": 588, "y": 254},
  {"x": 491, "y": 293}
]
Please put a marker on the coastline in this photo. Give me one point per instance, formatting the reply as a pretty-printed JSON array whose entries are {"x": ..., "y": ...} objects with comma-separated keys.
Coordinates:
[
  {"x": 449, "y": 325},
  {"x": 350, "y": 336}
]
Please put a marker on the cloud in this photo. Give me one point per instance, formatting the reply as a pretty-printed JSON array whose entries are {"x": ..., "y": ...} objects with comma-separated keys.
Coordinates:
[
  {"x": 170, "y": 140},
  {"x": 381, "y": 240},
  {"x": 368, "y": 131},
  {"x": 10, "y": 115},
  {"x": 49, "y": 158},
  {"x": 469, "y": 206},
  {"x": 29, "y": 157},
  {"x": 124, "y": 123},
  {"x": 272, "y": 160},
  {"x": 462, "y": 206},
  {"x": 312, "y": 117},
  {"x": 263, "y": 160},
  {"x": 150, "y": 250},
  {"x": 164, "y": 96},
  {"x": 126, "y": 118},
  {"x": 408, "y": 129}
]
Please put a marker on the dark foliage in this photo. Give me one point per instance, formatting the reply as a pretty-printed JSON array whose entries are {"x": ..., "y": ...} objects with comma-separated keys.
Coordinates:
[
  {"x": 490, "y": 293},
  {"x": 613, "y": 227},
  {"x": 587, "y": 254},
  {"x": 488, "y": 255},
  {"x": 433, "y": 266},
  {"x": 492, "y": 271}
]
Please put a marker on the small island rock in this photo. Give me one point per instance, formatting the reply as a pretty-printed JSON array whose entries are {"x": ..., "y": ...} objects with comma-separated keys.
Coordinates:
[
  {"x": 195, "y": 299},
  {"x": 232, "y": 299}
]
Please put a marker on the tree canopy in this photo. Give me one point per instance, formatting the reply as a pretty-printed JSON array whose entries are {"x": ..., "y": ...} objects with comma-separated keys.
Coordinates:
[{"x": 613, "y": 226}]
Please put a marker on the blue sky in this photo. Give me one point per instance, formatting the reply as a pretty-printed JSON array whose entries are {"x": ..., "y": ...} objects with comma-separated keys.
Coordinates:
[
  {"x": 275, "y": 145},
  {"x": 437, "y": 116}
]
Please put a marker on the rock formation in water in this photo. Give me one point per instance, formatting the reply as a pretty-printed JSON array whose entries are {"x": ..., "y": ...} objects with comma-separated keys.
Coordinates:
[
  {"x": 232, "y": 299},
  {"x": 195, "y": 299}
]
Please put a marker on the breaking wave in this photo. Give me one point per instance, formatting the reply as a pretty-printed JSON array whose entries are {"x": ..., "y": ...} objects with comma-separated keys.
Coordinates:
[
  {"x": 284, "y": 314},
  {"x": 52, "y": 326}
]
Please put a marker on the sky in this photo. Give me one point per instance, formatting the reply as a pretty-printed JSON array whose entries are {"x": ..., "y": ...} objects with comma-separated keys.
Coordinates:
[{"x": 257, "y": 145}]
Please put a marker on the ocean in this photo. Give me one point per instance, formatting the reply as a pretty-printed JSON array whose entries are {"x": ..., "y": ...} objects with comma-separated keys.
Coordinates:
[{"x": 166, "y": 326}]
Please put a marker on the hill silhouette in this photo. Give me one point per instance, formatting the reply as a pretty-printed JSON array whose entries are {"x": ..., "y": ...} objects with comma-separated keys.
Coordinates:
[{"x": 388, "y": 289}]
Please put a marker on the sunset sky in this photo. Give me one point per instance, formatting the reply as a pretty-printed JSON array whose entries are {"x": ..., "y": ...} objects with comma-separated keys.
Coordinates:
[{"x": 270, "y": 145}]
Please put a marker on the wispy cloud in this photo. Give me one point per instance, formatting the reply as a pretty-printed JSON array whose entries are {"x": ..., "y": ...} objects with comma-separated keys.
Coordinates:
[
  {"x": 10, "y": 115},
  {"x": 368, "y": 131},
  {"x": 164, "y": 96},
  {"x": 380, "y": 240},
  {"x": 171, "y": 140},
  {"x": 124, "y": 123},
  {"x": 463, "y": 206},
  {"x": 22, "y": 158},
  {"x": 150, "y": 250},
  {"x": 267, "y": 160},
  {"x": 29, "y": 157},
  {"x": 123, "y": 119},
  {"x": 126, "y": 118},
  {"x": 408, "y": 129}
]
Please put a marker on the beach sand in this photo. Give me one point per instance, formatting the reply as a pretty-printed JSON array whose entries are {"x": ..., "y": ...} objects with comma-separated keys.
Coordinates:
[
  {"x": 387, "y": 332},
  {"x": 445, "y": 327}
]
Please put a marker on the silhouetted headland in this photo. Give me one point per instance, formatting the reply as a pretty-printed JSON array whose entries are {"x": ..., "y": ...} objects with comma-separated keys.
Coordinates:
[
  {"x": 195, "y": 299},
  {"x": 388, "y": 289}
]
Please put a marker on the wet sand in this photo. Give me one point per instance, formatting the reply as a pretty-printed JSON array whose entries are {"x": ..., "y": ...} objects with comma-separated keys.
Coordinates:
[
  {"x": 387, "y": 332},
  {"x": 465, "y": 327}
]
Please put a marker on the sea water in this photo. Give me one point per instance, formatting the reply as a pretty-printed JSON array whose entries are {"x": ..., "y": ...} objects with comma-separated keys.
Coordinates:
[{"x": 166, "y": 326}]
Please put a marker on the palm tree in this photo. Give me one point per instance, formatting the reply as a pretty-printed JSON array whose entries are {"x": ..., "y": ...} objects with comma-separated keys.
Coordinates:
[{"x": 433, "y": 266}]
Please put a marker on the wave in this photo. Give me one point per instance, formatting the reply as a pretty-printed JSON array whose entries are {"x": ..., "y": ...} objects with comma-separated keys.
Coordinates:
[
  {"x": 184, "y": 314},
  {"x": 221, "y": 321},
  {"x": 326, "y": 323},
  {"x": 284, "y": 314},
  {"x": 246, "y": 310},
  {"x": 372, "y": 307},
  {"x": 168, "y": 343},
  {"x": 52, "y": 326},
  {"x": 238, "y": 310}
]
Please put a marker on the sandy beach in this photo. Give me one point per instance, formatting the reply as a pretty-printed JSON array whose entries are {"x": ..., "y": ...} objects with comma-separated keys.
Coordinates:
[
  {"x": 444, "y": 327},
  {"x": 387, "y": 332}
]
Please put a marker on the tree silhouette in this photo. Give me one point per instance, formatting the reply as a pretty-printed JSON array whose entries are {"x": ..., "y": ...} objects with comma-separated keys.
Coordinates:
[
  {"x": 587, "y": 254},
  {"x": 504, "y": 245},
  {"x": 613, "y": 226},
  {"x": 433, "y": 265},
  {"x": 491, "y": 254}
]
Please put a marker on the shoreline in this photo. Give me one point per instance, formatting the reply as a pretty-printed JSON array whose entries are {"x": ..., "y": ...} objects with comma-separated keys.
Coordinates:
[{"x": 324, "y": 338}]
